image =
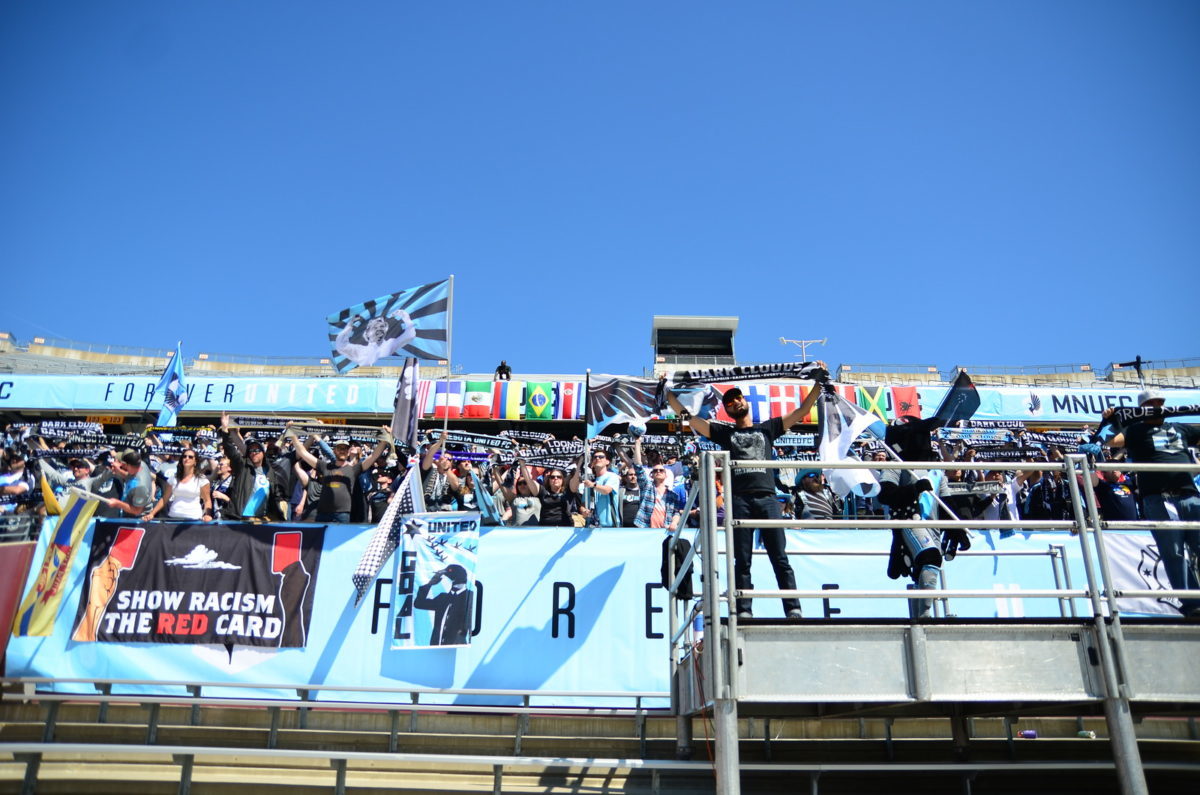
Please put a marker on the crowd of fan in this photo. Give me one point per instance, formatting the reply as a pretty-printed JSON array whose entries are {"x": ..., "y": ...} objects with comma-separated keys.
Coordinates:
[{"x": 299, "y": 475}]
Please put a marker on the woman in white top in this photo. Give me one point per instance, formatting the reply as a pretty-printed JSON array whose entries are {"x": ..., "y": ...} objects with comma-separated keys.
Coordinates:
[{"x": 187, "y": 495}]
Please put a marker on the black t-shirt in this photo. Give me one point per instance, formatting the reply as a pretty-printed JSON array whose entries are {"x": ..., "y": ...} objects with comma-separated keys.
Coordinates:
[
  {"x": 631, "y": 500},
  {"x": 557, "y": 508},
  {"x": 1162, "y": 444},
  {"x": 755, "y": 443},
  {"x": 1117, "y": 503},
  {"x": 337, "y": 486}
]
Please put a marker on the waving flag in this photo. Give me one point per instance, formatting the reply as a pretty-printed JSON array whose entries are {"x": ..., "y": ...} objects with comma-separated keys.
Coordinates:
[
  {"x": 841, "y": 423},
  {"x": 412, "y": 321},
  {"x": 37, "y": 611},
  {"x": 407, "y": 406},
  {"x": 174, "y": 390},
  {"x": 408, "y": 500},
  {"x": 961, "y": 402},
  {"x": 612, "y": 399}
]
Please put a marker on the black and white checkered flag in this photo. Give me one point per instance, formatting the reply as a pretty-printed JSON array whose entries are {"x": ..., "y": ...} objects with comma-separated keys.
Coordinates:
[{"x": 408, "y": 500}]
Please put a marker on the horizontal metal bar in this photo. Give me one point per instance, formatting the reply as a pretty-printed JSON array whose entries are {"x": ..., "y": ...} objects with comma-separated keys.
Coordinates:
[
  {"x": 1049, "y": 593},
  {"x": 354, "y": 705},
  {"x": 341, "y": 688},
  {"x": 72, "y": 749},
  {"x": 1150, "y": 525},
  {"x": 890, "y": 524},
  {"x": 1130, "y": 593},
  {"x": 1040, "y": 466},
  {"x": 1132, "y": 467}
]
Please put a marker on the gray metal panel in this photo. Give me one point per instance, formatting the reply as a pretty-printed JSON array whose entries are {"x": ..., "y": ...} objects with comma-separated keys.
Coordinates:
[
  {"x": 832, "y": 663},
  {"x": 899, "y": 663},
  {"x": 1006, "y": 663},
  {"x": 1164, "y": 662}
]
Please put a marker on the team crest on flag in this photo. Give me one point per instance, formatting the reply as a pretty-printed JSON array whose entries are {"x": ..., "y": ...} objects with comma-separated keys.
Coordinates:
[
  {"x": 412, "y": 322},
  {"x": 539, "y": 401}
]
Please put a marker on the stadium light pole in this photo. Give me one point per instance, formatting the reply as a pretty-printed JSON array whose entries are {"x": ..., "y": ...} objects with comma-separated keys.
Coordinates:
[{"x": 803, "y": 344}]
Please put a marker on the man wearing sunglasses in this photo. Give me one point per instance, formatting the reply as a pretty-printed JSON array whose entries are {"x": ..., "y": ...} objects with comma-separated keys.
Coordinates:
[{"x": 753, "y": 494}]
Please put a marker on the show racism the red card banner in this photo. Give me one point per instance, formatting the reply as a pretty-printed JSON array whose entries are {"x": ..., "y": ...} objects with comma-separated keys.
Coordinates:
[{"x": 154, "y": 582}]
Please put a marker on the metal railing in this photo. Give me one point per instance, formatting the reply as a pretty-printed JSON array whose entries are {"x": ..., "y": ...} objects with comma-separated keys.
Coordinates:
[{"x": 721, "y": 661}]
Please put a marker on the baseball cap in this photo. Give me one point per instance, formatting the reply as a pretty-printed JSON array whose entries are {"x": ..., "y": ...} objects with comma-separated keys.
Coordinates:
[
  {"x": 733, "y": 393},
  {"x": 1146, "y": 395},
  {"x": 805, "y": 473}
]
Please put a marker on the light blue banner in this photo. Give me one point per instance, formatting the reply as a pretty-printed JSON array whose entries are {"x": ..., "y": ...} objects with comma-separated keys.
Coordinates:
[
  {"x": 559, "y": 609},
  {"x": 1044, "y": 404},
  {"x": 130, "y": 394}
]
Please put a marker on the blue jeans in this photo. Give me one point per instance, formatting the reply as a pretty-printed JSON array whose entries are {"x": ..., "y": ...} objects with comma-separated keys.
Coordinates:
[
  {"x": 1171, "y": 543},
  {"x": 760, "y": 506},
  {"x": 342, "y": 517}
]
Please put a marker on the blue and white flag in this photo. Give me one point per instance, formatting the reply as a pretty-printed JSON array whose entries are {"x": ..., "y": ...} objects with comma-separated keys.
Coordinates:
[
  {"x": 174, "y": 389},
  {"x": 412, "y": 322},
  {"x": 841, "y": 423}
]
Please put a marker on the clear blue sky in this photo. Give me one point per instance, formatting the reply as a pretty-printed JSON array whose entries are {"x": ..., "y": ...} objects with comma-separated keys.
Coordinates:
[{"x": 949, "y": 183}]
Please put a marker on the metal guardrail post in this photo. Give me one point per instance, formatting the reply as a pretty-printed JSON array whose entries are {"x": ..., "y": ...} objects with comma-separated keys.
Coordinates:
[
  {"x": 722, "y": 643},
  {"x": 1116, "y": 633},
  {"x": 33, "y": 763},
  {"x": 1128, "y": 759},
  {"x": 339, "y": 765},
  {"x": 186, "y": 763}
]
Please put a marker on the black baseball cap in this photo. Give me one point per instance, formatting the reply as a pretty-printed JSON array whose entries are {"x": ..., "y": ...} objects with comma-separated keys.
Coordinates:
[{"x": 733, "y": 393}]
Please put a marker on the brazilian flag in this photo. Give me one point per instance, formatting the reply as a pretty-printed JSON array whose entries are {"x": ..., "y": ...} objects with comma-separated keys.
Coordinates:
[{"x": 539, "y": 400}]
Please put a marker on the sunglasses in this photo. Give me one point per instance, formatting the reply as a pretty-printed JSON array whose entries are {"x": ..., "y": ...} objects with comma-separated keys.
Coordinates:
[
  {"x": 554, "y": 477},
  {"x": 657, "y": 470}
]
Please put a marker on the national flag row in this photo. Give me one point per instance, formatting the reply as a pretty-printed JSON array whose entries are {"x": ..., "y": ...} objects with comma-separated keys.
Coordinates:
[
  {"x": 502, "y": 400},
  {"x": 564, "y": 400},
  {"x": 779, "y": 400}
]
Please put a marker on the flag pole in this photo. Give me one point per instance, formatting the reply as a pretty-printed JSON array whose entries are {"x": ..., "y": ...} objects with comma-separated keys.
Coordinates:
[{"x": 449, "y": 351}]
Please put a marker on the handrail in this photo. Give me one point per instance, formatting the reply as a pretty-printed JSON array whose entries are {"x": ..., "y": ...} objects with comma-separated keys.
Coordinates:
[{"x": 338, "y": 688}]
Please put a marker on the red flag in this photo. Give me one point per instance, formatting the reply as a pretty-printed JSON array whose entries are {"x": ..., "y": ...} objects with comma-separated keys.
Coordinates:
[
  {"x": 784, "y": 399},
  {"x": 905, "y": 402}
]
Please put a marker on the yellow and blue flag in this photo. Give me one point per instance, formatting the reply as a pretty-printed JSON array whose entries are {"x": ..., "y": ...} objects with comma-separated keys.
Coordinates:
[{"x": 37, "y": 612}]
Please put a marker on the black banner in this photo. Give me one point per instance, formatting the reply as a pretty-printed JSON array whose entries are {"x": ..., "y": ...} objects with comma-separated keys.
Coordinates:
[
  {"x": 755, "y": 372},
  {"x": 158, "y": 582},
  {"x": 476, "y": 439},
  {"x": 1023, "y": 454},
  {"x": 1127, "y": 414},
  {"x": 528, "y": 436}
]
